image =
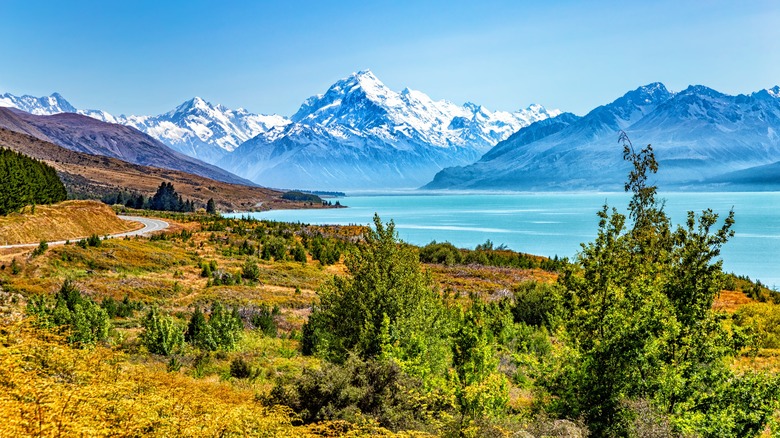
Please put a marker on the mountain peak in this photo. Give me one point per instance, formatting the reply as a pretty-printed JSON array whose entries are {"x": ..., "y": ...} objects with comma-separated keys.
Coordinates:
[
  {"x": 196, "y": 103},
  {"x": 701, "y": 90},
  {"x": 774, "y": 91},
  {"x": 652, "y": 93}
]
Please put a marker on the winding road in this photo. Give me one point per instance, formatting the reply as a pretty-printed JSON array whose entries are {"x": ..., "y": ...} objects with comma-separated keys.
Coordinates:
[{"x": 149, "y": 226}]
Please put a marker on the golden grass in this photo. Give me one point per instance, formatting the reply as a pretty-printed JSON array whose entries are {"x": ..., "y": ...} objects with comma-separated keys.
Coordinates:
[
  {"x": 486, "y": 282},
  {"x": 66, "y": 220},
  {"x": 48, "y": 389},
  {"x": 729, "y": 301}
]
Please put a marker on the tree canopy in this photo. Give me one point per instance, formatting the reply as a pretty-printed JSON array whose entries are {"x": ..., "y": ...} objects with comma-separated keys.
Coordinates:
[{"x": 26, "y": 181}]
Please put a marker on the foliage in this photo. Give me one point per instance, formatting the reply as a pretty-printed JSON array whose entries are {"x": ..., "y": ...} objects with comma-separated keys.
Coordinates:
[
  {"x": 161, "y": 334},
  {"x": 211, "y": 207},
  {"x": 538, "y": 304},
  {"x": 482, "y": 391},
  {"x": 642, "y": 325},
  {"x": 262, "y": 318},
  {"x": 303, "y": 197},
  {"x": 166, "y": 199},
  {"x": 326, "y": 251},
  {"x": 120, "y": 309},
  {"x": 48, "y": 389},
  {"x": 375, "y": 388},
  {"x": 486, "y": 254},
  {"x": 26, "y": 181},
  {"x": 91, "y": 241},
  {"x": 763, "y": 320},
  {"x": 40, "y": 249},
  {"x": 221, "y": 331},
  {"x": 240, "y": 368},
  {"x": 385, "y": 306},
  {"x": 84, "y": 321},
  {"x": 15, "y": 267},
  {"x": 250, "y": 271}
]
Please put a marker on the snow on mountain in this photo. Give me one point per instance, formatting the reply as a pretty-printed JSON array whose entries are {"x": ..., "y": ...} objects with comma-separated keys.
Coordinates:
[
  {"x": 196, "y": 127},
  {"x": 360, "y": 134},
  {"x": 40, "y": 106},
  {"x": 361, "y": 102},
  {"x": 203, "y": 130},
  {"x": 697, "y": 134}
]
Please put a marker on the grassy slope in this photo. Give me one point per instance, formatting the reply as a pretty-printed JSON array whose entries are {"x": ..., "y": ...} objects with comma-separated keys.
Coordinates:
[{"x": 66, "y": 220}]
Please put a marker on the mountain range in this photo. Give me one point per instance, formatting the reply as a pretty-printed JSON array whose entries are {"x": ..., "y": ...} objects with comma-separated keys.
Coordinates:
[
  {"x": 360, "y": 135},
  {"x": 85, "y": 134},
  {"x": 357, "y": 135},
  {"x": 702, "y": 139}
]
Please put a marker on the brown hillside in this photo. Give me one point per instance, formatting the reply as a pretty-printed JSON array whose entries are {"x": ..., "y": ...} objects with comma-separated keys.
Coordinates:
[
  {"x": 66, "y": 220},
  {"x": 85, "y": 134},
  {"x": 92, "y": 176}
]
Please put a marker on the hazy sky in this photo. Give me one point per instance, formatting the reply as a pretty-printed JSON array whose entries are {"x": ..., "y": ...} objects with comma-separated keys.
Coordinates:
[{"x": 146, "y": 57}]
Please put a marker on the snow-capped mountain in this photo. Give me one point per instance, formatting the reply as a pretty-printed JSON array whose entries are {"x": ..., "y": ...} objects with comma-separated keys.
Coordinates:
[
  {"x": 698, "y": 136},
  {"x": 41, "y": 106},
  {"x": 196, "y": 127},
  {"x": 360, "y": 134},
  {"x": 199, "y": 128}
]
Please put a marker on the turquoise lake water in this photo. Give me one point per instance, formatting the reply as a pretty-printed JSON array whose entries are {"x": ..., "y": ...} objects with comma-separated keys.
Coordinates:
[{"x": 554, "y": 224}]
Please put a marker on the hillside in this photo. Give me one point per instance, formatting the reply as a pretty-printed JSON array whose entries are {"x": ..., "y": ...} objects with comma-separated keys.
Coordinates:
[
  {"x": 85, "y": 134},
  {"x": 67, "y": 220},
  {"x": 121, "y": 386},
  {"x": 700, "y": 136},
  {"x": 88, "y": 175}
]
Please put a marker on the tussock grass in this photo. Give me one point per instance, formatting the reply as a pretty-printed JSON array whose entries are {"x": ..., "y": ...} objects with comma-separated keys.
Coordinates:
[{"x": 66, "y": 220}]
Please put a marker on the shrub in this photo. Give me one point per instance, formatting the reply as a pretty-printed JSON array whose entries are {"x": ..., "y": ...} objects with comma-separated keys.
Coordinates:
[
  {"x": 374, "y": 388},
  {"x": 240, "y": 369},
  {"x": 40, "y": 249},
  {"x": 120, "y": 309},
  {"x": 82, "y": 319},
  {"x": 263, "y": 319},
  {"x": 299, "y": 253},
  {"x": 161, "y": 335},
  {"x": 221, "y": 331},
  {"x": 538, "y": 304},
  {"x": 250, "y": 271}
]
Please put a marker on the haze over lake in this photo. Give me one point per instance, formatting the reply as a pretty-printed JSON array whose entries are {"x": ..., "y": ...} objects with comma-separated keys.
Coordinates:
[{"x": 552, "y": 224}]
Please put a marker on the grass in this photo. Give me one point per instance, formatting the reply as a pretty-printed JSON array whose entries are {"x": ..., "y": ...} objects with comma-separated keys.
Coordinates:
[
  {"x": 67, "y": 220},
  {"x": 201, "y": 393}
]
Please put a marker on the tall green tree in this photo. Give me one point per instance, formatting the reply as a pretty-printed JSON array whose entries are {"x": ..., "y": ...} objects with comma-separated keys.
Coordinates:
[
  {"x": 385, "y": 306},
  {"x": 641, "y": 323}
]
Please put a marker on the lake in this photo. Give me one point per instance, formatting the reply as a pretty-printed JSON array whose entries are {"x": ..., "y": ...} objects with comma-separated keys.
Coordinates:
[{"x": 552, "y": 224}]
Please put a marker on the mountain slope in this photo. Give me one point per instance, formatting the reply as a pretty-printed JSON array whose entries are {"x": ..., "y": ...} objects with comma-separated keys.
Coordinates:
[
  {"x": 196, "y": 128},
  {"x": 85, "y": 134},
  {"x": 697, "y": 134},
  {"x": 360, "y": 134},
  {"x": 86, "y": 175}
]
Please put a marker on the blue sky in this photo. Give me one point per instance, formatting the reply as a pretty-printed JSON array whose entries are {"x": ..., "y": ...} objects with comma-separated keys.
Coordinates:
[{"x": 146, "y": 57}]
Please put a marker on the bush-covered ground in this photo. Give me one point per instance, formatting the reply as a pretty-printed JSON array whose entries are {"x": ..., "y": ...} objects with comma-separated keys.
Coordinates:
[{"x": 226, "y": 327}]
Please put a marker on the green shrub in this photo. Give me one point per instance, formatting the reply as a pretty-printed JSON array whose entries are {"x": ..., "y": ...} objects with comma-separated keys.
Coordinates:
[
  {"x": 240, "y": 369},
  {"x": 120, "y": 309},
  {"x": 250, "y": 271},
  {"x": 161, "y": 334},
  {"x": 263, "y": 319},
  {"x": 221, "y": 331},
  {"x": 84, "y": 321},
  {"x": 538, "y": 304},
  {"x": 40, "y": 249},
  {"x": 374, "y": 388}
]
